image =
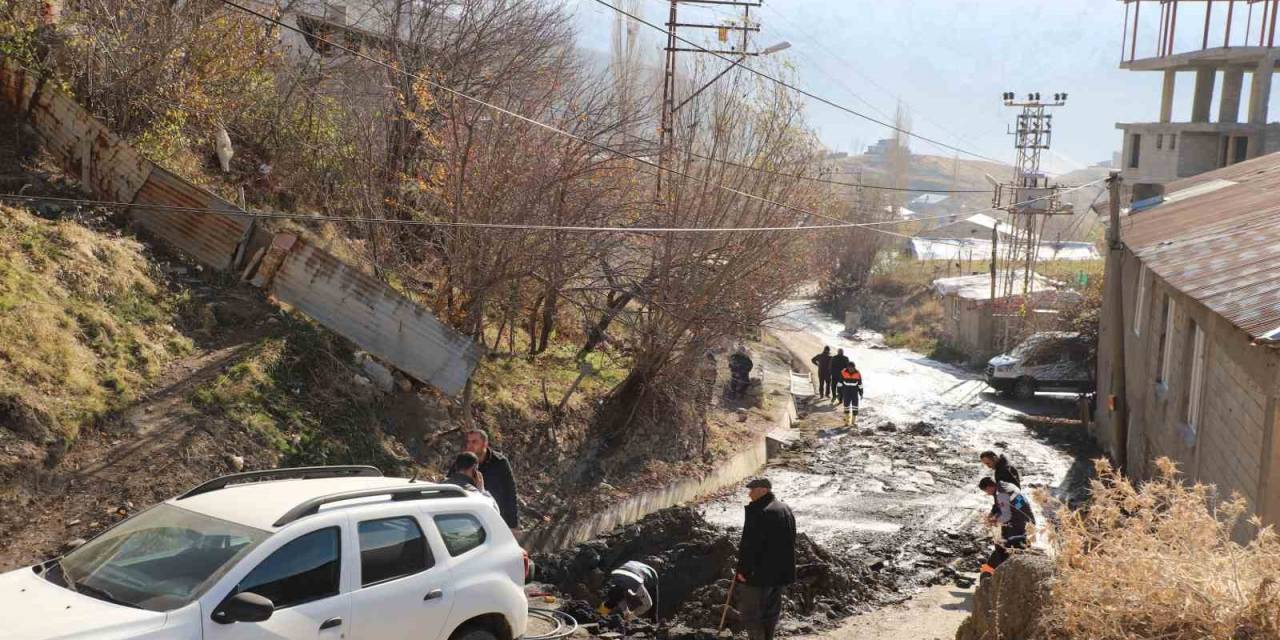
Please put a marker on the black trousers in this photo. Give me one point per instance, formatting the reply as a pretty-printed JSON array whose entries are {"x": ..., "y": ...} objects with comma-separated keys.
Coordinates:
[
  {"x": 1013, "y": 539},
  {"x": 824, "y": 385},
  {"x": 834, "y": 386},
  {"x": 761, "y": 608},
  {"x": 849, "y": 396}
]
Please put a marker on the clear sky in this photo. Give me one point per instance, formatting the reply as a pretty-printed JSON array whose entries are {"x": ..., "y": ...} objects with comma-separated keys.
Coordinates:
[{"x": 948, "y": 61}]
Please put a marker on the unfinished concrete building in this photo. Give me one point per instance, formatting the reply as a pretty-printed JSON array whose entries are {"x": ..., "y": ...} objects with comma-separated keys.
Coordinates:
[{"x": 1218, "y": 48}]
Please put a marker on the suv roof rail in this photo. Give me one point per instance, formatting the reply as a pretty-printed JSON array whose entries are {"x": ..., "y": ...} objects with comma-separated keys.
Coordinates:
[
  {"x": 302, "y": 473},
  {"x": 414, "y": 491}
]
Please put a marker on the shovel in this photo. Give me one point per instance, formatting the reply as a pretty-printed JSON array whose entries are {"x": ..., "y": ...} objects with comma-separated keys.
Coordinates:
[{"x": 724, "y": 615}]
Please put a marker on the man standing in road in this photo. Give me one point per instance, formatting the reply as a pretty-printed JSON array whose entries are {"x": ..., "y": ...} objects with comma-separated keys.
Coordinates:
[
  {"x": 498, "y": 479},
  {"x": 850, "y": 392},
  {"x": 838, "y": 363},
  {"x": 766, "y": 560},
  {"x": 823, "y": 362}
]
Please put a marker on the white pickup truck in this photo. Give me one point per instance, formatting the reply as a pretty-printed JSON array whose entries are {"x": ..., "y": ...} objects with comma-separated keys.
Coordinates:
[{"x": 1048, "y": 361}]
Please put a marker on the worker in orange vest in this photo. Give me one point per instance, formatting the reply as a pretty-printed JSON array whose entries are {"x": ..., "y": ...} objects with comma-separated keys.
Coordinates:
[{"x": 850, "y": 392}]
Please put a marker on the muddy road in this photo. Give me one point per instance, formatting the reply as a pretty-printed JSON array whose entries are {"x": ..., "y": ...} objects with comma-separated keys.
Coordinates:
[{"x": 899, "y": 489}]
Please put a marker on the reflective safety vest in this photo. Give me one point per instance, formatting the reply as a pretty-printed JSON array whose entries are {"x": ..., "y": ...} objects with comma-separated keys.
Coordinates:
[{"x": 850, "y": 379}]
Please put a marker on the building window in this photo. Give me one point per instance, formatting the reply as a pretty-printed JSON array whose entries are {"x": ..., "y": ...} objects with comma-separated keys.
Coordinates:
[
  {"x": 1140, "y": 303},
  {"x": 1166, "y": 342},
  {"x": 1159, "y": 141},
  {"x": 1194, "y": 351},
  {"x": 1173, "y": 141},
  {"x": 955, "y": 308},
  {"x": 1135, "y": 150}
]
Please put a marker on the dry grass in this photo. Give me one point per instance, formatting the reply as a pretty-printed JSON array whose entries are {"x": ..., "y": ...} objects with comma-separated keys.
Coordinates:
[
  {"x": 1160, "y": 561},
  {"x": 84, "y": 324}
]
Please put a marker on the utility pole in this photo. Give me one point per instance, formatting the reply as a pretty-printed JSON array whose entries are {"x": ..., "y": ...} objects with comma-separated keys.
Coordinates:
[
  {"x": 1028, "y": 197},
  {"x": 666, "y": 137},
  {"x": 1117, "y": 399}
]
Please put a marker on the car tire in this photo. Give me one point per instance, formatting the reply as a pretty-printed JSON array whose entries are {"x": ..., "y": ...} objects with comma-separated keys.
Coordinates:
[
  {"x": 1024, "y": 388},
  {"x": 473, "y": 633}
]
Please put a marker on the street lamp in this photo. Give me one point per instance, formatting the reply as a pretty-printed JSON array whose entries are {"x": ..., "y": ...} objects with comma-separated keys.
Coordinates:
[{"x": 772, "y": 49}]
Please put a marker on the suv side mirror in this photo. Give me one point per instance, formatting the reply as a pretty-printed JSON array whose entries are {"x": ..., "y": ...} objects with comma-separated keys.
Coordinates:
[{"x": 243, "y": 607}]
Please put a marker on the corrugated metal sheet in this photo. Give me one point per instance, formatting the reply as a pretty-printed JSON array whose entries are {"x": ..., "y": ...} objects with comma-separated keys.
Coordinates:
[
  {"x": 351, "y": 303},
  {"x": 375, "y": 317},
  {"x": 107, "y": 166},
  {"x": 1221, "y": 247},
  {"x": 209, "y": 238}
]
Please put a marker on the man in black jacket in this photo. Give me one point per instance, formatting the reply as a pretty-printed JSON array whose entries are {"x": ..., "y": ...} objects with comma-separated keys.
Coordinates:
[
  {"x": 498, "y": 479},
  {"x": 1001, "y": 468},
  {"x": 823, "y": 362},
  {"x": 766, "y": 560},
  {"x": 838, "y": 362}
]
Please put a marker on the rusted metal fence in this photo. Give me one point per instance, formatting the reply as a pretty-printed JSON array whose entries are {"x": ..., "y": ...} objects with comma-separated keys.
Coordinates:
[{"x": 344, "y": 299}]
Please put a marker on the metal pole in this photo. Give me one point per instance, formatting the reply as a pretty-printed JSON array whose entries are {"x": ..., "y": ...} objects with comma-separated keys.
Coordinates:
[
  {"x": 1208, "y": 11},
  {"x": 1226, "y": 38},
  {"x": 1117, "y": 398},
  {"x": 668, "y": 96},
  {"x": 995, "y": 238},
  {"x": 1133, "y": 42},
  {"x": 1275, "y": 10}
]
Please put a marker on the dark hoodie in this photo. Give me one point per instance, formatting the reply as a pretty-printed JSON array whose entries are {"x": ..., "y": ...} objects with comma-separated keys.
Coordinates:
[{"x": 1004, "y": 471}]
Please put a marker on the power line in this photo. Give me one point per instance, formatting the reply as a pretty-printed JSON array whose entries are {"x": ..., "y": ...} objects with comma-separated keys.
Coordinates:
[
  {"x": 278, "y": 215},
  {"x": 799, "y": 90},
  {"x": 523, "y": 118}
]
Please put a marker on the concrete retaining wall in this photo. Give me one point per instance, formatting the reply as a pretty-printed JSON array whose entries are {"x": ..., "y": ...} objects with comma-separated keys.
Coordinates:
[{"x": 744, "y": 464}]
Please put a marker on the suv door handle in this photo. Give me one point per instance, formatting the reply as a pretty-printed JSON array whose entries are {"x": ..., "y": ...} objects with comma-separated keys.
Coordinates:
[
  {"x": 331, "y": 623},
  {"x": 434, "y": 594}
]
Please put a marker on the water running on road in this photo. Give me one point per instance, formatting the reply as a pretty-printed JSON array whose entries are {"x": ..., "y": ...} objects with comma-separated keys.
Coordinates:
[{"x": 901, "y": 486}]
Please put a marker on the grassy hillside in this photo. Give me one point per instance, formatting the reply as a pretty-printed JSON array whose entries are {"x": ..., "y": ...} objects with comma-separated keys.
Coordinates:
[{"x": 85, "y": 324}]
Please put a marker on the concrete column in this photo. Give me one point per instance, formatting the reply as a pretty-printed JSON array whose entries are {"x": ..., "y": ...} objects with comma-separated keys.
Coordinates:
[
  {"x": 1232, "y": 87},
  {"x": 1200, "y": 106},
  {"x": 1166, "y": 98},
  {"x": 1259, "y": 99},
  {"x": 1260, "y": 92}
]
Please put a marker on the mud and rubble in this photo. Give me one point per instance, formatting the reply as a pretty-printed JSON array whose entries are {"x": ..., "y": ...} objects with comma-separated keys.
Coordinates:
[{"x": 695, "y": 561}]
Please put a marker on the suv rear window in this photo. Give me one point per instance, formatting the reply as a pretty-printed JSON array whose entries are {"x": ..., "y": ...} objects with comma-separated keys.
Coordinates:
[
  {"x": 301, "y": 571},
  {"x": 392, "y": 548},
  {"x": 461, "y": 532}
]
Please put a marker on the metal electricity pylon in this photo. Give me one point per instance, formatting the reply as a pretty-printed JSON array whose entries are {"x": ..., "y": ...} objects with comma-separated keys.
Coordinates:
[{"x": 1028, "y": 198}]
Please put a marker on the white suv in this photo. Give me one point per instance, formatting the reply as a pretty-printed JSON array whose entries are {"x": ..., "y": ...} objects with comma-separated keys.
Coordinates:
[{"x": 320, "y": 552}]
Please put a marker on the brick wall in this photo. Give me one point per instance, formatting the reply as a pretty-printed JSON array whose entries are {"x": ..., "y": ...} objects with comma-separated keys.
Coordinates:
[{"x": 1231, "y": 427}]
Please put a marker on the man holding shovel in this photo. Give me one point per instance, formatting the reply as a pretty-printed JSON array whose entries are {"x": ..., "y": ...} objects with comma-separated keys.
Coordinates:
[{"x": 766, "y": 560}]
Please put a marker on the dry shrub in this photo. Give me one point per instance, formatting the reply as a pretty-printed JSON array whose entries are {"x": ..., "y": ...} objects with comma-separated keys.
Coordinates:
[{"x": 1162, "y": 560}]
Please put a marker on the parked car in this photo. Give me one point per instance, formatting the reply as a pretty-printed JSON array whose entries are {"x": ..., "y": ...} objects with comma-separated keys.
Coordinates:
[
  {"x": 318, "y": 552},
  {"x": 1048, "y": 361}
]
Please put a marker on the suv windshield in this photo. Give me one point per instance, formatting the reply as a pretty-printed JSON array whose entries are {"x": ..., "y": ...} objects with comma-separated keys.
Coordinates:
[{"x": 159, "y": 560}]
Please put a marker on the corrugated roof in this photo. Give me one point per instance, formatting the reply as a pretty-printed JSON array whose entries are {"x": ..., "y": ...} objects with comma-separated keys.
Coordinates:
[{"x": 1220, "y": 247}]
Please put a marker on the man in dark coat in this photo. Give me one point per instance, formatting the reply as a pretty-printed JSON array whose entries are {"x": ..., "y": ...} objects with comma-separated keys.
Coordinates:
[
  {"x": 766, "y": 560},
  {"x": 1001, "y": 468},
  {"x": 823, "y": 362},
  {"x": 498, "y": 479},
  {"x": 838, "y": 362}
]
